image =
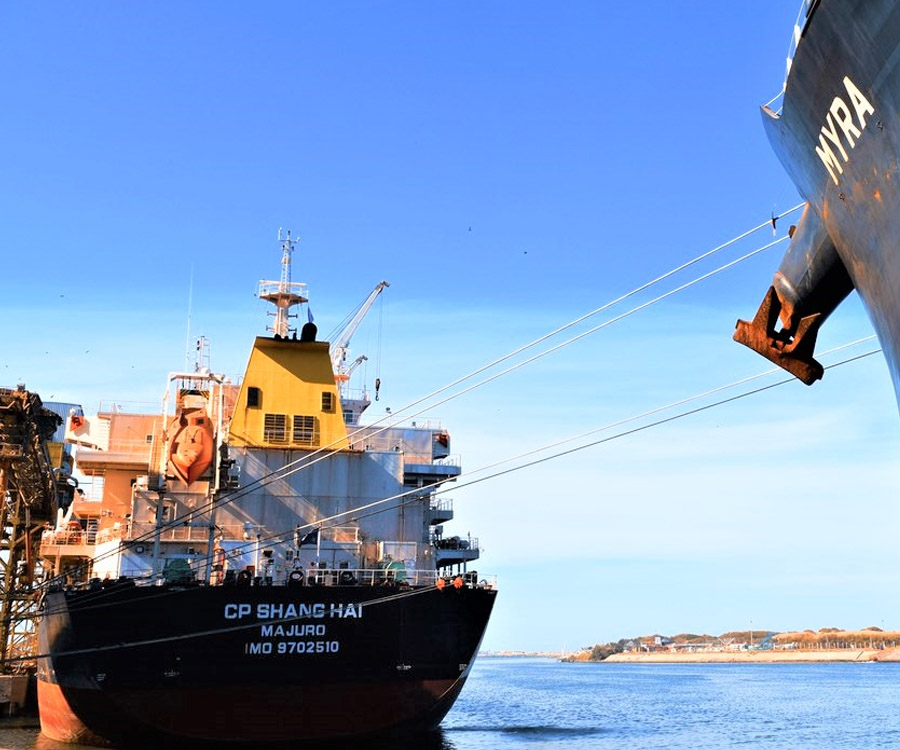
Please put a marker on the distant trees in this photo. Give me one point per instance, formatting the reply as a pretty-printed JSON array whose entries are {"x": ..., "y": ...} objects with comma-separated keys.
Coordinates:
[
  {"x": 600, "y": 652},
  {"x": 836, "y": 638}
]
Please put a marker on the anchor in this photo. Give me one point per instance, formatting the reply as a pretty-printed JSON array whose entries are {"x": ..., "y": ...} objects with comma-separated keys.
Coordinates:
[{"x": 790, "y": 349}]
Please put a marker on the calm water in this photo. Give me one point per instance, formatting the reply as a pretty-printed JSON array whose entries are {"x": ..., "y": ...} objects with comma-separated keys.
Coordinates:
[{"x": 538, "y": 703}]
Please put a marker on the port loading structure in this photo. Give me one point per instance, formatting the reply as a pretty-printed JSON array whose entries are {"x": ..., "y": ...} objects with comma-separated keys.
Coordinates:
[{"x": 35, "y": 482}]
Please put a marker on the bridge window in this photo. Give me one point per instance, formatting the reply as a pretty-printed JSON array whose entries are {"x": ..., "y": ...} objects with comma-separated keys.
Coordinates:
[
  {"x": 275, "y": 428},
  {"x": 306, "y": 430},
  {"x": 254, "y": 397},
  {"x": 327, "y": 401}
]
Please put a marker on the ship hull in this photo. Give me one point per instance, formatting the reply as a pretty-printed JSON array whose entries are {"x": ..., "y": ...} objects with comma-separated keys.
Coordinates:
[
  {"x": 254, "y": 665},
  {"x": 838, "y": 137}
]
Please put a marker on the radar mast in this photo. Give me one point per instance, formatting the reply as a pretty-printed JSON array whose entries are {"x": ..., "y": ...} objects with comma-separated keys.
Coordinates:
[{"x": 284, "y": 294}]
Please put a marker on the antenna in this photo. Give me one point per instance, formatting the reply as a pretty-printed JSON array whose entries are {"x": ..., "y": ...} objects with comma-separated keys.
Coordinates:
[
  {"x": 201, "y": 354},
  {"x": 284, "y": 294},
  {"x": 187, "y": 339}
]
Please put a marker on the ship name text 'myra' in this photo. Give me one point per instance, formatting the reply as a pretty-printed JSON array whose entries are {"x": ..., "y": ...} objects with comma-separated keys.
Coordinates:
[{"x": 839, "y": 121}]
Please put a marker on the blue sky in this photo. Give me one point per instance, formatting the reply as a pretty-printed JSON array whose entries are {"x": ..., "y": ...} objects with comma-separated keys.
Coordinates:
[{"x": 507, "y": 167}]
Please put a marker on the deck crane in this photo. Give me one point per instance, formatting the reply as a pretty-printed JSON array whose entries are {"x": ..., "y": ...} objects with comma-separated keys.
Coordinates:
[
  {"x": 356, "y": 363},
  {"x": 341, "y": 343},
  {"x": 339, "y": 349}
]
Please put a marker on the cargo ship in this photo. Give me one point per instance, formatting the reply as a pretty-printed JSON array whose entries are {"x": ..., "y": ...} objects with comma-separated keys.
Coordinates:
[
  {"x": 250, "y": 564},
  {"x": 836, "y": 130}
]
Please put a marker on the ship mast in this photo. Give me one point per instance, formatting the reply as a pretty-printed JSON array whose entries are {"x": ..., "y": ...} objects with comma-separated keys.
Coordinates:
[{"x": 284, "y": 294}]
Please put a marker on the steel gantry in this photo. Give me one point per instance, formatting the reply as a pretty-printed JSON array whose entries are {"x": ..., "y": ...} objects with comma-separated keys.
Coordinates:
[{"x": 29, "y": 493}]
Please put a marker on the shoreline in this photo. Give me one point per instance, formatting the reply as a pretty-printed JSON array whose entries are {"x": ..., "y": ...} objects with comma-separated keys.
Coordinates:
[{"x": 757, "y": 657}]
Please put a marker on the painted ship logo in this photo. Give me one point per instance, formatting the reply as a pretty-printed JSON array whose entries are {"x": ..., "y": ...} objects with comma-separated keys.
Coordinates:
[{"x": 841, "y": 127}]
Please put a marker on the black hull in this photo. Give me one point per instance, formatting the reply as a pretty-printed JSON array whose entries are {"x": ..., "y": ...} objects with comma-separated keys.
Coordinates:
[
  {"x": 254, "y": 665},
  {"x": 838, "y": 137}
]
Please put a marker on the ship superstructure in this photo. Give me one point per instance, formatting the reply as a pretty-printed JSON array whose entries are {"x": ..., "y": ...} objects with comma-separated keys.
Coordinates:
[{"x": 244, "y": 530}]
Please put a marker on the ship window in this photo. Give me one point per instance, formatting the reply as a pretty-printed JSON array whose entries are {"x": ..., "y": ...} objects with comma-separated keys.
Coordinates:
[
  {"x": 327, "y": 401},
  {"x": 254, "y": 397},
  {"x": 306, "y": 430},
  {"x": 275, "y": 428}
]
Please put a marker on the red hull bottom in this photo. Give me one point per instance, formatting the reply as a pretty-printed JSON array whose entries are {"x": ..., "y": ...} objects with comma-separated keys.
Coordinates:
[
  {"x": 59, "y": 722},
  {"x": 244, "y": 714}
]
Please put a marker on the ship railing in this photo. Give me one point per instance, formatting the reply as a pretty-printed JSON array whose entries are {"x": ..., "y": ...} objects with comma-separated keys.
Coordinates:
[
  {"x": 370, "y": 576},
  {"x": 129, "y": 407},
  {"x": 377, "y": 443},
  {"x": 130, "y": 448},
  {"x": 66, "y": 538},
  {"x": 803, "y": 16},
  {"x": 414, "y": 457},
  {"x": 91, "y": 536},
  {"x": 117, "y": 531},
  {"x": 394, "y": 443},
  {"x": 429, "y": 424},
  {"x": 455, "y": 542},
  {"x": 278, "y": 287},
  {"x": 183, "y": 532},
  {"x": 387, "y": 577},
  {"x": 391, "y": 576},
  {"x": 441, "y": 505},
  {"x": 196, "y": 531},
  {"x": 70, "y": 537}
]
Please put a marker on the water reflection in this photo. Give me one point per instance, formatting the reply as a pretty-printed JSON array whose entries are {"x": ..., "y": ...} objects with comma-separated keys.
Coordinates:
[{"x": 32, "y": 739}]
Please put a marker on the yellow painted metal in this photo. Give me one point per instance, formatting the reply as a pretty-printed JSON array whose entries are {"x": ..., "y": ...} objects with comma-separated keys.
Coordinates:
[{"x": 294, "y": 380}]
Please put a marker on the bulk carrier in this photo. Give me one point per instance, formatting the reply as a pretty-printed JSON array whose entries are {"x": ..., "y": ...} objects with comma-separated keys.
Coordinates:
[
  {"x": 255, "y": 566},
  {"x": 837, "y": 133}
]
